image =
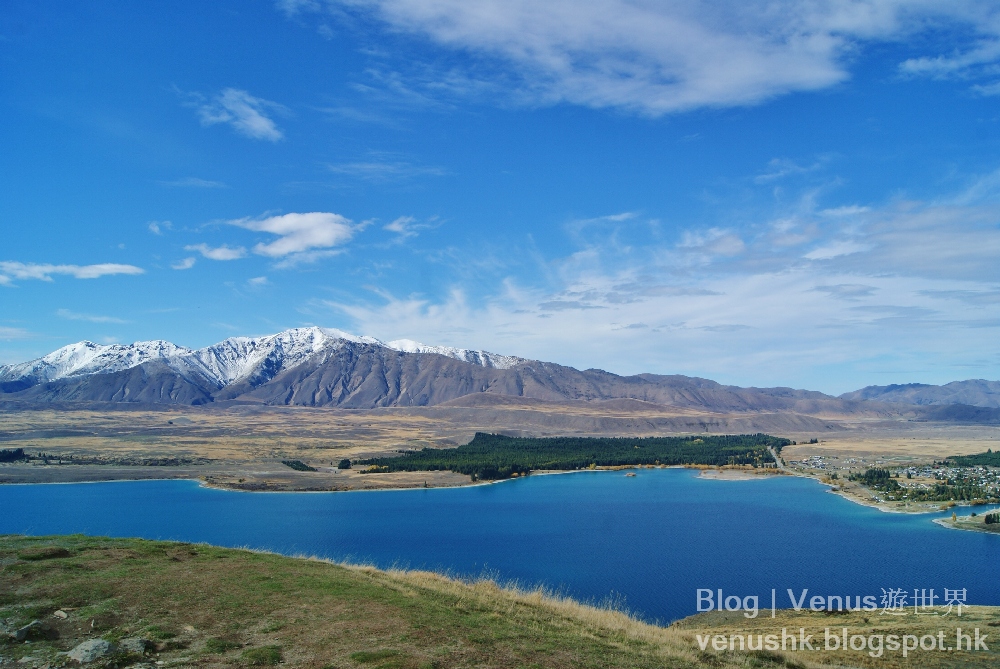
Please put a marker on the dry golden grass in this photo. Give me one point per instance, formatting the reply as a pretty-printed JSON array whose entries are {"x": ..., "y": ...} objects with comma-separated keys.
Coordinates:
[{"x": 910, "y": 446}]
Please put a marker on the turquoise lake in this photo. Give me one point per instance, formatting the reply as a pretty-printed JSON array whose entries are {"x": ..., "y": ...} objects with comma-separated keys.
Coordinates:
[{"x": 648, "y": 541}]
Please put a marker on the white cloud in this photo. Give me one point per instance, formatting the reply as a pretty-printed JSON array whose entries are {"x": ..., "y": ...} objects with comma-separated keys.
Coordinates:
[
  {"x": 300, "y": 234},
  {"x": 661, "y": 57},
  {"x": 186, "y": 263},
  {"x": 157, "y": 227},
  {"x": 247, "y": 114},
  {"x": 258, "y": 281},
  {"x": 90, "y": 318},
  {"x": 223, "y": 252},
  {"x": 10, "y": 270}
]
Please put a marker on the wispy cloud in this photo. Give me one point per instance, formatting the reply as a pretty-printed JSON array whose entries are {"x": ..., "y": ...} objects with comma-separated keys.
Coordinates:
[
  {"x": 246, "y": 114},
  {"x": 10, "y": 271},
  {"x": 192, "y": 182},
  {"x": 657, "y": 58},
  {"x": 893, "y": 282},
  {"x": 186, "y": 263},
  {"x": 303, "y": 237},
  {"x": 90, "y": 318},
  {"x": 408, "y": 226},
  {"x": 382, "y": 167},
  {"x": 837, "y": 248},
  {"x": 258, "y": 281},
  {"x": 157, "y": 227},
  {"x": 223, "y": 252},
  {"x": 402, "y": 226},
  {"x": 8, "y": 333},
  {"x": 714, "y": 241},
  {"x": 977, "y": 60},
  {"x": 848, "y": 291},
  {"x": 779, "y": 168}
]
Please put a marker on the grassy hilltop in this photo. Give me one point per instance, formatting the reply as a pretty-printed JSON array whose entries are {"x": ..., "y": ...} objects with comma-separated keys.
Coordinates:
[{"x": 215, "y": 607}]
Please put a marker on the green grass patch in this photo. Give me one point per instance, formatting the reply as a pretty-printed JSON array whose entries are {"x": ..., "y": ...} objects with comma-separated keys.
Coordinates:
[
  {"x": 369, "y": 656},
  {"x": 43, "y": 553},
  {"x": 265, "y": 656},
  {"x": 220, "y": 646}
]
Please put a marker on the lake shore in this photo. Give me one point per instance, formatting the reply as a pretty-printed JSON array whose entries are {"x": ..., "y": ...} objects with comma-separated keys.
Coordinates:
[
  {"x": 271, "y": 476},
  {"x": 262, "y": 476}
]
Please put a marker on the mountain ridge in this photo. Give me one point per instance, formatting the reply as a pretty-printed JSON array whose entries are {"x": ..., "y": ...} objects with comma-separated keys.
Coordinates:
[
  {"x": 973, "y": 392},
  {"x": 325, "y": 367}
]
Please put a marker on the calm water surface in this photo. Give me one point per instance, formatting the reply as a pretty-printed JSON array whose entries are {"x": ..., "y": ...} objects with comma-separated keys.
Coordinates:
[{"x": 651, "y": 540}]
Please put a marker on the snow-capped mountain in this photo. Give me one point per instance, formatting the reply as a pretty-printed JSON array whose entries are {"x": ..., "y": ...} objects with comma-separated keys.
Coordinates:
[
  {"x": 483, "y": 358},
  {"x": 86, "y": 357},
  {"x": 233, "y": 360}
]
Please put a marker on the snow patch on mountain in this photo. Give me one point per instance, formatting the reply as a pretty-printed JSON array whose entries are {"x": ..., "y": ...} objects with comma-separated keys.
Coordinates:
[
  {"x": 86, "y": 357},
  {"x": 484, "y": 358},
  {"x": 253, "y": 359},
  {"x": 239, "y": 358}
]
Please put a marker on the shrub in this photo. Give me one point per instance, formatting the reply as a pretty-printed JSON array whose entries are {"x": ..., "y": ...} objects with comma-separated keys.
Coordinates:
[
  {"x": 265, "y": 656},
  {"x": 298, "y": 465},
  {"x": 344, "y": 464},
  {"x": 12, "y": 455}
]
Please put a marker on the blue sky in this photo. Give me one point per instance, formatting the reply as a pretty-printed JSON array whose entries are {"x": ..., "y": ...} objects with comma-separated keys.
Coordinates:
[{"x": 777, "y": 193}]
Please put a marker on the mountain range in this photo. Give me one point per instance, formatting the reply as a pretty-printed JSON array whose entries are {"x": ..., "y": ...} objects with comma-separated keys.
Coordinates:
[{"x": 325, "y": 367}]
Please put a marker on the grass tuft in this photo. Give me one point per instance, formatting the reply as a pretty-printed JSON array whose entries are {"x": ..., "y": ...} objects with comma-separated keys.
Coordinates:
[
  {"x": 43, "y": 553},
  {"x": 159, "y": 634},
  {"x": 220, "y": 646},
  {"x": 265, "y": 656},
  {"x": 369, "y": 656}
]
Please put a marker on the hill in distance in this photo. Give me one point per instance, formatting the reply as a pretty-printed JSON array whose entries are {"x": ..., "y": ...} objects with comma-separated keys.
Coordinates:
[{"x": 974, "y": 392}]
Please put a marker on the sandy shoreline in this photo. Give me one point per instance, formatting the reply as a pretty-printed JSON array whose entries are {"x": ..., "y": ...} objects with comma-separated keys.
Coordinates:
[{"x": 268, "y": 476}]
